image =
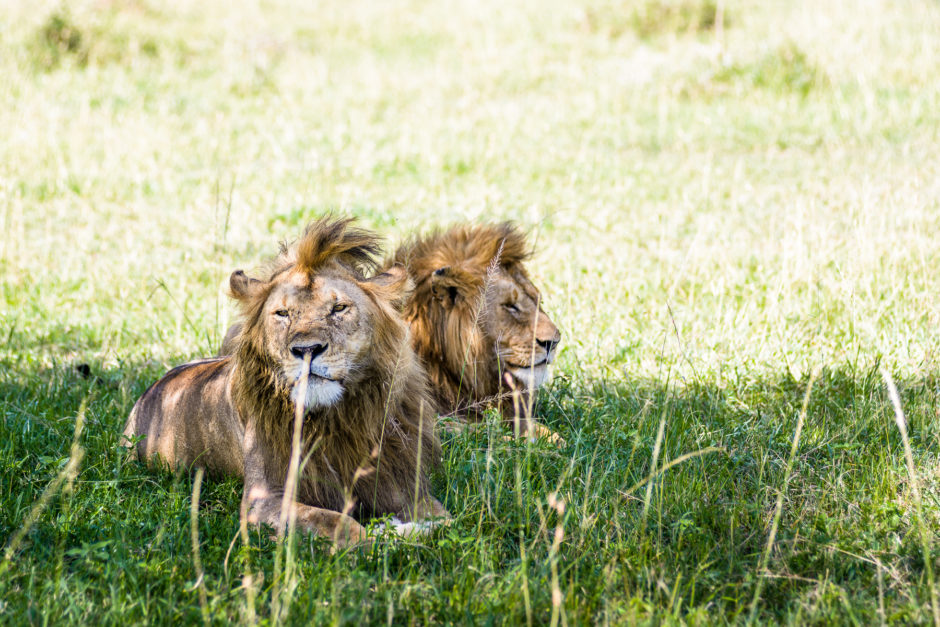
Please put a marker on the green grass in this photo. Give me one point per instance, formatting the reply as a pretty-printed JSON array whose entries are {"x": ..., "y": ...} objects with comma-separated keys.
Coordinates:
[{"x": 720, "y": 208}]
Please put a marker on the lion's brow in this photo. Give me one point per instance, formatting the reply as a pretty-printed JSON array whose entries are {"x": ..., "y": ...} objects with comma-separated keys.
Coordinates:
[
  {"x": 531, "y": 292},
  {"x": 308, "y": 277},
  {"x": 278, "y": 272}
]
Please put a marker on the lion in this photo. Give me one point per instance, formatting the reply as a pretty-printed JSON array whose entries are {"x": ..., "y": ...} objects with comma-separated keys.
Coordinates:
[
  {"x": 368, "y": 425},
  {"x": 477, "y": 322}
]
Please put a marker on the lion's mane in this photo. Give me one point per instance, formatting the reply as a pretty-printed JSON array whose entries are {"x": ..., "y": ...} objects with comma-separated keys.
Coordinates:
[{"x": 451, "y": 342}]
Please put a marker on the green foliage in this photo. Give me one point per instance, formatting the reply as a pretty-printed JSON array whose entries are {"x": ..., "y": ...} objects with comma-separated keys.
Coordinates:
[
  {"x": 652, "y": 18},
  {"x": 57, "y": 39},
  {"x": 106, "y": 35},
  {"x": 786, "y": 70},
  {"x": 656, "y": 17},
  {"x": 122, "y": 531}
]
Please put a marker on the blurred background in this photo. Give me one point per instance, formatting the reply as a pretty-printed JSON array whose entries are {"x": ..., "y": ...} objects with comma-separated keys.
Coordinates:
[{"x": 766, "y": 169}]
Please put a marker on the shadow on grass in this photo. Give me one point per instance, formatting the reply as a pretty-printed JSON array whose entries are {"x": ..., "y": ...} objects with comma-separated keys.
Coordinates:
[
  {"x": 689, "y": 542},
  {"x": 684, "y": 545}
]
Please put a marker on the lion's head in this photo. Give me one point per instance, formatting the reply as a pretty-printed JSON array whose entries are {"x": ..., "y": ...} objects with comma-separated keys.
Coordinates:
[
  {"x": 325, "y": 308},
  {"x": 366, "y": 393},
  {"x": 475, "y": 314}
]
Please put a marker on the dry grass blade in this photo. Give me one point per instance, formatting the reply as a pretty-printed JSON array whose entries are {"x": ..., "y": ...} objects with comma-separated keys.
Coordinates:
[
  {"x": 557, "y": 611},
  {"x": 417, "y": 494},
  {"x": 778, "y": 507},
  {"x": 194, "y": 536},
  {"x": 288, "y": 512},
  {"x": 915, "y": 490},
  {"x": 283, "y": 564},
  {"x": 517, "y": 476},
  {"x": 67, "y": 474},
  {"x": 248, "y": 579},
  {"x": 649, "y": 487}
]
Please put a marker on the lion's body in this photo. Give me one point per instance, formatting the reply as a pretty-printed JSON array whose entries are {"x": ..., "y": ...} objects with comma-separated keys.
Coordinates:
[
  {"x": 367, "y": 432},
  {"x": 188, "y": 413},
  {"x": 476, "y": 316}
]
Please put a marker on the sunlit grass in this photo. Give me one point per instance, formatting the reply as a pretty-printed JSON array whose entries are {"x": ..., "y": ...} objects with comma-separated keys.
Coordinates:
[{"x": 717, "y": 211}]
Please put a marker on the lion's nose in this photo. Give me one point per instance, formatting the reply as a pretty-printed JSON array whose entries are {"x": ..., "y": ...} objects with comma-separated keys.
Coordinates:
[
  {"x": 548, "y": 345},
  {"x": 315, "y": 350}
]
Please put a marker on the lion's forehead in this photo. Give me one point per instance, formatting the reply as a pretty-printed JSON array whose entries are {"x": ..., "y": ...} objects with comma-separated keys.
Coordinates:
[
  {"x": 512, "y": 286},
  {"x": 310, "y": 293}
]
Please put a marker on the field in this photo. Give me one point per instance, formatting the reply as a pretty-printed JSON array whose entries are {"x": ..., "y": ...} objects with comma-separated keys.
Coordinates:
[{"x": 735, "y": 207}]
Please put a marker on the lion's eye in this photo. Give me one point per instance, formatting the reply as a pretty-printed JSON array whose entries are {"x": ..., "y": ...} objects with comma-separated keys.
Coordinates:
[
  {"x": 511, "y": 307},
  {"x": 338, "y": 307},
  {"x": 281, "y": 313}
]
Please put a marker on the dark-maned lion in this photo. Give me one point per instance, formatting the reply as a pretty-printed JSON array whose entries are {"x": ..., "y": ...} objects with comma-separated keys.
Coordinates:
[
  {"x": 476, "y": 316},
  {"x": 368, "y": 435}
]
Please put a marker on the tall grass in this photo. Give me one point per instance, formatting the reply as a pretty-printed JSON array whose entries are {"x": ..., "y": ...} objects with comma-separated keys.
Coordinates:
[{"x": 719, "y": 205}]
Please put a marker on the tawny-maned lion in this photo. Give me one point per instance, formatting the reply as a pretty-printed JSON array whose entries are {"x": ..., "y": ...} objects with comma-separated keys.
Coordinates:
[
  {"x": 368, "y": 428},
  {"x": 475, "y": 318}
]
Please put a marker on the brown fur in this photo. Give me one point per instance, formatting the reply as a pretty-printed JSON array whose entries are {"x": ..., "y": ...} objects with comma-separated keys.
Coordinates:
[
  {"x": 475, "y": 315},
  {"x": 234, "y": 415}
]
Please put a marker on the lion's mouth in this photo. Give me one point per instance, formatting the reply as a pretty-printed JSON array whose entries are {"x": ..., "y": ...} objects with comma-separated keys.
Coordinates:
[
  {"x": 319, "y": 377},
  {"x": 321, "y": 390},
  {"x": 533, "y": 376},
  {"x": 317, "y": 374},
  {"x": 521, "y": 367}
]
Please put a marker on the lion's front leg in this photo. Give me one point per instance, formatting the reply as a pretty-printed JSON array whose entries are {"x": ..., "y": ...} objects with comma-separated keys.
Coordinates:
[
  {"x": 264, "y": 506},
  {"x": 532, "y": 430},
  {"x": 426, "y": 515},
  {"x": 263, "y": 499},
  {"x": 539, "y": 431},
  {"x": 524, "y": 427},
  {"x": 518, "y": 415}
]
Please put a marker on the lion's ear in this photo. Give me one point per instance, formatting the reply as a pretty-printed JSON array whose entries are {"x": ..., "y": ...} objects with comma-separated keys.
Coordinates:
[
  {"x": 448, "y": 285},
  {"x": 242, "y": 286},
  {"x": 394, "y": 285}
]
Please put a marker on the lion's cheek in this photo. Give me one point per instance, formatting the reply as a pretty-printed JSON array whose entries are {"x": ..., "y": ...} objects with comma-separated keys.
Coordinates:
[{"x": 358, "y": 352}]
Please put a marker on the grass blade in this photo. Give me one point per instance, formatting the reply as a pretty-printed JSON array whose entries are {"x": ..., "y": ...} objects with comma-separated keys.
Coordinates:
[{"x": 901, "y": 421}]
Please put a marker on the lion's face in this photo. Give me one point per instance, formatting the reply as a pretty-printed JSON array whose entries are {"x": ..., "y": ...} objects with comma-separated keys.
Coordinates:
[
  {"x": 328, "y": 318},
  {"x": 331, "y": 318},
  {"x": 523, "y": 337},
  {"x": 513, "y": 334}
]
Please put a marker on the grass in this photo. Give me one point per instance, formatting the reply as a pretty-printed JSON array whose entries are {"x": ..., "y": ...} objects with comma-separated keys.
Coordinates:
[{"x": 719, "y": 212}]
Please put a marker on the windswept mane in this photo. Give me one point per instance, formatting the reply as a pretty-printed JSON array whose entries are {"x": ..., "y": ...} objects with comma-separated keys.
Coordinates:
[
  {"x": 471, "y": 246},
  {"x": 327, "y": 241},
  {"x": 331, "y": 240}
]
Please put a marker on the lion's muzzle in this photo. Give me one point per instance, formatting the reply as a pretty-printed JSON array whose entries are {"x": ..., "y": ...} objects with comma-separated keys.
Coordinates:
[{"x": 315, "y": 350}]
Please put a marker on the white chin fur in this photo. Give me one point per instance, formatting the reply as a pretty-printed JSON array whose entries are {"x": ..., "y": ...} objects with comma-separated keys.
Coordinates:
[
  {"x": 531, "y": 377},
  {"x": 320, "y": 393}
]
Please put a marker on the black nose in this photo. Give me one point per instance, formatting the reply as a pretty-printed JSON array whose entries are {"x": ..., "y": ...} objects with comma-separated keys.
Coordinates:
[
  {"x": 548, "y": 345},
  {"x": 315, "y": 350}
]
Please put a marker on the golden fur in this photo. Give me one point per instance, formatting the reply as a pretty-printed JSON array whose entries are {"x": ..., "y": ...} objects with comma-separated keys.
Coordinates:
[
  {"x": 476, "y": 319},
  {"x": 368, "y": 427}
]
